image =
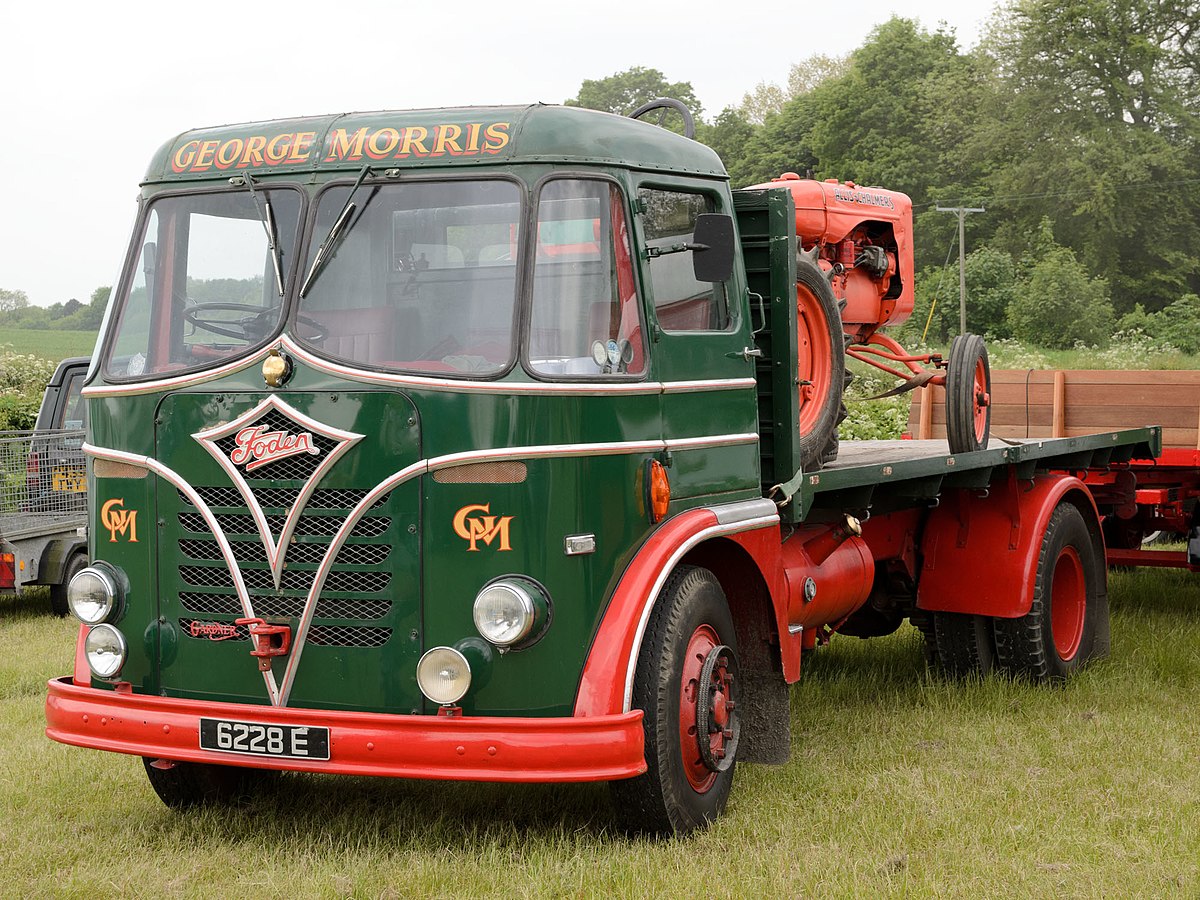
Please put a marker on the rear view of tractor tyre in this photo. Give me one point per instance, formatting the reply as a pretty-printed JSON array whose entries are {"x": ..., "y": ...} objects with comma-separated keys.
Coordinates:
[
  {"x": 968, "y": 395},
  {"x": 58, "y": 592},
  {"x": 965, "y": 646},
  {"x": 186, "y": 785},
  {"x": 686, "y": 684},
  {"x": 1067, "y": 625},
  {"x": 822, "y": 365}
]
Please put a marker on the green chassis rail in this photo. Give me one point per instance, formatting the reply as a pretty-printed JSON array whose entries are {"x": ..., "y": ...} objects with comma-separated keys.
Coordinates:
[{"x": 883, "y": 476}]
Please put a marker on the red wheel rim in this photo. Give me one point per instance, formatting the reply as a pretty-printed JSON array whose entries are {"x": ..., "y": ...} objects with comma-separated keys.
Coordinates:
[
  {"x": 816, "y": 357},
  {"x": 703, "y": 641},
  {"x": 982, "y": 400},
  {"x": 1068, "y": 603}
]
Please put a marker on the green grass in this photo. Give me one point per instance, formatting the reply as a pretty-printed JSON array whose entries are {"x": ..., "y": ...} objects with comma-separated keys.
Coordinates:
[
  {"x": 900, "y": 784},
  {"x": 49, "y": 344}
]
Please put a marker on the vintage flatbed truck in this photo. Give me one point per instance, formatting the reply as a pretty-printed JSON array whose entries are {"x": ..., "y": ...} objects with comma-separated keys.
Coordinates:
[{"x": 466, "y": 444}]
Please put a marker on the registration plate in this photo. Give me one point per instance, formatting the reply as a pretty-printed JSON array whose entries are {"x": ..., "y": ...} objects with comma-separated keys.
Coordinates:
[
  {"x": 72, "y": 480},
  {"x": 262, "y": 739}
]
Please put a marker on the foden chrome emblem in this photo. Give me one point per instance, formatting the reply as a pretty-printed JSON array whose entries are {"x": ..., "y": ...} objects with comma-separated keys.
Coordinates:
[
  {"x": 473, "y": 528},
  {"x": 256, "y": 446}
]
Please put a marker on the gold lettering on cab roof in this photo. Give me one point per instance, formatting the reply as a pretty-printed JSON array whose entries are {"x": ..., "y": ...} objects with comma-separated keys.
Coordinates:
[
  {"x": 293, "y": 148},
  {"x": 416, "y": 141}
]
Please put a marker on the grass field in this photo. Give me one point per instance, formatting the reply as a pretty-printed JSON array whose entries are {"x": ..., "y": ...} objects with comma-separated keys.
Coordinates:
[
  {"x": 48, "y": 344},
  {"x": 900, "y": 784}
]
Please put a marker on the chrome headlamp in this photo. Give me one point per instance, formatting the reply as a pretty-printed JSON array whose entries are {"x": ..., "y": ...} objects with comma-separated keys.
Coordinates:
[
  {"x": 94, "y": 596},
  {"x": 106, "y": 651},
  {"x": 512, "y": 611}
]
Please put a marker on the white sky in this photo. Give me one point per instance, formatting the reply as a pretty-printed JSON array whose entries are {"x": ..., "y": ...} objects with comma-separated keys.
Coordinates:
[{"x": 89, "y": 90}]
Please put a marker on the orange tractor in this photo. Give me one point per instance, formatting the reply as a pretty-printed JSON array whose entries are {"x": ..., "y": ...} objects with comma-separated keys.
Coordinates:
[{"x": 854, "y": 275}]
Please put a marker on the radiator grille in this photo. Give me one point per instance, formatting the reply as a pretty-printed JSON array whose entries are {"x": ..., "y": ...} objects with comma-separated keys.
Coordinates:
[{"x": 327, "y": 607}]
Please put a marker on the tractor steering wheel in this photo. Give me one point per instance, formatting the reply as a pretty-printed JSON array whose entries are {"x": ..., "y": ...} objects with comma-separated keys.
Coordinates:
[{"x": 665, "y": 103}]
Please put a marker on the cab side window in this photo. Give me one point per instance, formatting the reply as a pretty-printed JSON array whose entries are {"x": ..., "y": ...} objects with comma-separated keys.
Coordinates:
[{"x": 681, "y": 303}]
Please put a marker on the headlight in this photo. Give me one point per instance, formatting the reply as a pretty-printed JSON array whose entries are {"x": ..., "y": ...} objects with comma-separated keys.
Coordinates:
[
  {"x": 511, "y": 610},
  {"x": 443, "y": 675},
  {"x": 105, "y": 649},
  {"x": 93, "y": 596}
]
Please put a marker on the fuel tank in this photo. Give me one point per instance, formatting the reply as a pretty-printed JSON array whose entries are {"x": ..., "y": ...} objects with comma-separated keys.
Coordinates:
[{"x": 829, "y": 571}]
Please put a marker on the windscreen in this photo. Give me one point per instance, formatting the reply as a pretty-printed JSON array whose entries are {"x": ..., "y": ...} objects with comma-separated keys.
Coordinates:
[
  {"x": 419, "y": 276},
  {"x": 204, "y": 288}
]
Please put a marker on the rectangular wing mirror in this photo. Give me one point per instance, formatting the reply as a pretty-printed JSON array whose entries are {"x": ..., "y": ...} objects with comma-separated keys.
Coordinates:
[{"x": 712, "y": 247}]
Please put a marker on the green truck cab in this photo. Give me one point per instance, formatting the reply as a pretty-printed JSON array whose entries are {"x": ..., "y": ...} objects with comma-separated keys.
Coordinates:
[{"x": 438, "y": 444}]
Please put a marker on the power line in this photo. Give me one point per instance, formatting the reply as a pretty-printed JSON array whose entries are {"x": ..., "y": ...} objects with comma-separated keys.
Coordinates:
[{"x": 1047, "y": 195}]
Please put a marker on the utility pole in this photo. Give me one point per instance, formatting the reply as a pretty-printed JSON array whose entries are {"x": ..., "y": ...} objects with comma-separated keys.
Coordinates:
[{"x": 962, "y": 260}]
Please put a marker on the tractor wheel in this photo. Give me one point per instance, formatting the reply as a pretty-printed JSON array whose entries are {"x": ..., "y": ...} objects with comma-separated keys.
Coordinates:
[
  {"x": 965, "y": 646},
  {"x": 185, "y": 785},
  {"x": 968, "y": 395},
  {"x": 58, "y": 592},
  {"x": 1068, "y": 622},
  {"x": 822, "y": 365},
  {"x": 687, "y": 685}
]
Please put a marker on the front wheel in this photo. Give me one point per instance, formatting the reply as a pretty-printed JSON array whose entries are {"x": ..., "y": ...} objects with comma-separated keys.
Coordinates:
[
  {"x": 687, "y": 685},
  {"x": 184, "y": 785},
  {"x": 968, "y": 395},
  {"x": 1067, "y": 624}
]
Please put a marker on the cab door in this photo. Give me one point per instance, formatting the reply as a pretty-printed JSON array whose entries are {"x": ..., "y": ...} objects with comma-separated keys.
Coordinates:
[{"x": 702, "y": 346}]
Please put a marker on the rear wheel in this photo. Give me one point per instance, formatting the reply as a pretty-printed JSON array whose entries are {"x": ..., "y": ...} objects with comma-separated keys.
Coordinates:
[
  {"x": 58, "y": 592},
  {"x": 968, "y": 395},
  {"x": 687, "y": 685},
  {"x": 184, "y": 785},
  {"x": 822, "y": 365},
  {"x": 965, "y": 645},
  {"x": 1067, "y": 621}
]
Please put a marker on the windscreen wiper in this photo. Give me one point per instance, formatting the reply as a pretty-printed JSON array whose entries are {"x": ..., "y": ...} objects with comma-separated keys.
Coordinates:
[
  {"x": 268, "y": 220},
  {"x": 335, "y": 232}
]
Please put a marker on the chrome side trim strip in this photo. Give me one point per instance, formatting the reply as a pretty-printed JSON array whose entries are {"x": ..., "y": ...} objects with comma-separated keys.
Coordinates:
[
  {"x": 395, "y": 379},
  {"x": 702, "y": 535},
  {"x": 175, "y": 479},
  {"x": 276, "y": 550},
  {"x": 729, "y": 513}
]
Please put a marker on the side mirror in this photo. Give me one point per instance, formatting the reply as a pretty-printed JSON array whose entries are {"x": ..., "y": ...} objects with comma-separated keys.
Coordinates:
[{"x": 712, "y": 247}]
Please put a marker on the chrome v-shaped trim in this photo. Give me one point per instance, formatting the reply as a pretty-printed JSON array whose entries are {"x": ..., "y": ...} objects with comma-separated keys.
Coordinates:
[{"x": 276, "y": 549}]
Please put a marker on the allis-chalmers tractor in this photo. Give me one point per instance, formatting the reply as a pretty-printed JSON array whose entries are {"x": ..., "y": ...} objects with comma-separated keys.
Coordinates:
[{"x": 853, "y": 277}]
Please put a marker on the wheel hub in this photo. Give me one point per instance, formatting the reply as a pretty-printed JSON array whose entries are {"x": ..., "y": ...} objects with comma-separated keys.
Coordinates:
[{"x": 717, "y": 725}]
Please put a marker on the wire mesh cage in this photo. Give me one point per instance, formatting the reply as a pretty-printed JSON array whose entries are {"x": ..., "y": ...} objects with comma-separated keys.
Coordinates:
[{"x": 43, "y": 481}]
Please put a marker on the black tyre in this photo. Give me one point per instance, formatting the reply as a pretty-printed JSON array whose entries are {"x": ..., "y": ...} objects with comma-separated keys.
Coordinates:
[
  {"x": 1067, "y": 625},
  {"x": 686, "y": 684},
  {"x": 822, "y": 365},
  {"x": 968, "y": 395},
  {"x": 965, "y": 644},
  {"x": 58, "y": 592},
  {"x": 185, "y": 785}
]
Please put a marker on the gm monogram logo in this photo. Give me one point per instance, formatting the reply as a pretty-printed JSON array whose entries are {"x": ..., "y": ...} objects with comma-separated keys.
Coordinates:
[
  {"x": 119, "y": 520},
  {"x": 484, "y": 528}
]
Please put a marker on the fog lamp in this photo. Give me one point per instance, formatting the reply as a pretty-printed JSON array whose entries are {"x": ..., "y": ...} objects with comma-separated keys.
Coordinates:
[
  {"x": 443, "y": 675},
  {"x": 106, "y": 650},
  {"x": 93, "y": 596},
  {"x": 511, "y": 610}
]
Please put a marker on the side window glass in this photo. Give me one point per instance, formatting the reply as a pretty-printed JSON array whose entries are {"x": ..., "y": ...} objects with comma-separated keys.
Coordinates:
[
  {"x": 73, "y": 416},
  {"x": 585, "y": 319},
  {"x": 681, "y": 303}
]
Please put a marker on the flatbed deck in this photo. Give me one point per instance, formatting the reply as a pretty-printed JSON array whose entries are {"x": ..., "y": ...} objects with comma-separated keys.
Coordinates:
[{"x": 886, "y": 475}]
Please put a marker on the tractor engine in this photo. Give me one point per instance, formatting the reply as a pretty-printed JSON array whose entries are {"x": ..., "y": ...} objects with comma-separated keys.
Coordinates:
[{"x": 863, "y": 242}]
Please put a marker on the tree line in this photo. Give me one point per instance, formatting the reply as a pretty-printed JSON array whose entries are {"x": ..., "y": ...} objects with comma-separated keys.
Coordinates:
[{"x": 1073, "y": 123}]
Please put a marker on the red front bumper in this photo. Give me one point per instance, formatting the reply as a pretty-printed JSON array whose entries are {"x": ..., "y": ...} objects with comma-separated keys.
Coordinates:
[{"x": 461, "y": 748}]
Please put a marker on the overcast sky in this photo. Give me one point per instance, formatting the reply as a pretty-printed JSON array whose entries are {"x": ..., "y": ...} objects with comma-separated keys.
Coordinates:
[{"x": 88, "y": 91}]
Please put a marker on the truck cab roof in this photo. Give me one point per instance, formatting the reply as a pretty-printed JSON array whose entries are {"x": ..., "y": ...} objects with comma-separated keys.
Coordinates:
[{"x": 461, "y": 136}]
